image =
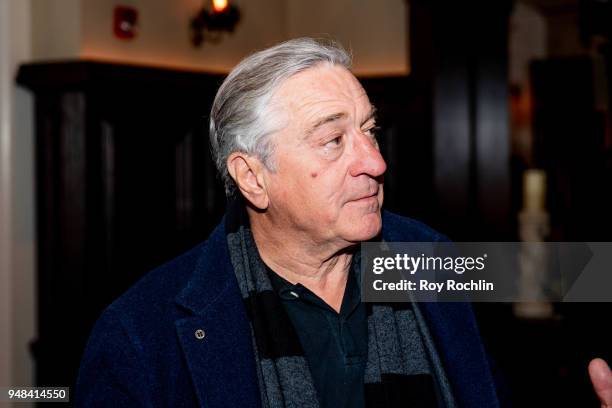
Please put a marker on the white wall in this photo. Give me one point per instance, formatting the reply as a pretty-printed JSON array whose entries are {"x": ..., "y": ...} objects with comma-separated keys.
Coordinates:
[
  {"x": 6, "y": 281},
  {"x": 163, "y": 36},
  {"x": 374, "y": 29},
  {"x": 17, "y": 239},
  {"x": 65, "y": 29},
  {"x": 56, "y": 28}
]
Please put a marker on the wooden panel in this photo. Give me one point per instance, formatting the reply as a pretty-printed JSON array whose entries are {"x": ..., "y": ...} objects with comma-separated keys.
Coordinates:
[
  {"x": 124, "y": 183},
  {"x": 458, "y": 54}
]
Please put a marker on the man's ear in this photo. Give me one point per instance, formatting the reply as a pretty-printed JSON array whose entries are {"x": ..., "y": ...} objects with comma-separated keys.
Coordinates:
[{"x": 247, "y": 172}]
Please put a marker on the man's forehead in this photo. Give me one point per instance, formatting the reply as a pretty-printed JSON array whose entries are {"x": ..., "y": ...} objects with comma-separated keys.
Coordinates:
[{"x": 323, "y": 90}]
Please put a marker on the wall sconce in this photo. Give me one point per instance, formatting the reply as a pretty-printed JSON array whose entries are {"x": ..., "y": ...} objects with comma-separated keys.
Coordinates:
[{"x": 210, "y": 22}]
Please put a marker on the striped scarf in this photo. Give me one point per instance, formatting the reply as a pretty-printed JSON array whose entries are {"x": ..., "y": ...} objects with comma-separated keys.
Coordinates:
[{"x": 402, "y": 369}]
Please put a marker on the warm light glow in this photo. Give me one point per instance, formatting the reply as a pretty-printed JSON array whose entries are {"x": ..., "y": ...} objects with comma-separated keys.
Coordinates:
[{"x": 219, "y": 5}]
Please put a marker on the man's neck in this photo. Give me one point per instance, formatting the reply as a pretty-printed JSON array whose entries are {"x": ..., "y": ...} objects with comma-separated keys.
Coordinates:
[{"x": 321, "y": 267}]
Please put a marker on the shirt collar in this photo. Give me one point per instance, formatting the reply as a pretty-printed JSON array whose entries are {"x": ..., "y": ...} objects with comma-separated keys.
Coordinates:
[{"x": 290, "y": 292}]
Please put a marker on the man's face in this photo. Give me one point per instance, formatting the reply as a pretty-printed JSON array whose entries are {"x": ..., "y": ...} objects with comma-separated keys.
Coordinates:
[{"x": 327, "y": 184}]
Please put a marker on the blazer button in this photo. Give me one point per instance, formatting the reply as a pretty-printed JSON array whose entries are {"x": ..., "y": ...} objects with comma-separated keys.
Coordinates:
[{"x": 200, "y": 334}]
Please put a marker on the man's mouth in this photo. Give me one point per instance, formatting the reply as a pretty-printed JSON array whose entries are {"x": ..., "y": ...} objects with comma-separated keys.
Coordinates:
[{"x": 367, "y": 197}]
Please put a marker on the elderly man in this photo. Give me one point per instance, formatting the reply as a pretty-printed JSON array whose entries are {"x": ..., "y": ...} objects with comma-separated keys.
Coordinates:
[{"x": 267, "y": 311}]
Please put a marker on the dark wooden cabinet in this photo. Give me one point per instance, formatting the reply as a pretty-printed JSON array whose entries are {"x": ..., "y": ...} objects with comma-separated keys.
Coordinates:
[{"x": 125, "y": 182}]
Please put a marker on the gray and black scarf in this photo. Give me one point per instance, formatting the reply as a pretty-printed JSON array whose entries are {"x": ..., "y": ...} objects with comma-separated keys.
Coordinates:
[{"x": 402, "y": 369}]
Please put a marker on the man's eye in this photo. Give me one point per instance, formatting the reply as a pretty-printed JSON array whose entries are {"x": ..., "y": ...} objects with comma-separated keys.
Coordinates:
[
  {"x": 333, "y": 142},
  {"x": 373, "y": 131}
]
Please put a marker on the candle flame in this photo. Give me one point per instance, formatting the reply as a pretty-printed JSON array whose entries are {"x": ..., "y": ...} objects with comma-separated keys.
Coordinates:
[{"x": 219, "y": 5}]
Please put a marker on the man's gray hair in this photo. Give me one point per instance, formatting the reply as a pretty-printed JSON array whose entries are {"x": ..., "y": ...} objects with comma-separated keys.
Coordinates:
[{"x": 240, "y": 118}]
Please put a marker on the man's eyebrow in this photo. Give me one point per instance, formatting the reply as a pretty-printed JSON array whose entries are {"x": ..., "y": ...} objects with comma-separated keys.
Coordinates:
[
  {"x": 336, "y": 116},
  {"x": 371, "y": 115},
  {"x": 325, "y": 120}
]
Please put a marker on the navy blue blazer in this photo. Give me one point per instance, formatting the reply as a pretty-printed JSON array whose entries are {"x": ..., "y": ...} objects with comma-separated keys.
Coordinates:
[{"x": 146, "y": 349}]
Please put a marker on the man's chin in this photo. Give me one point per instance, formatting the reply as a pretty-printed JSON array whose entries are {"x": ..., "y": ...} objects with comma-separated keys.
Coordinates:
[{"x": 367, "y": 228}]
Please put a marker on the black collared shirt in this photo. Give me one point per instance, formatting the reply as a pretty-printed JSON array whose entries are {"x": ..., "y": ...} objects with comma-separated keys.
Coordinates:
[{"x": 335, "y": 344}]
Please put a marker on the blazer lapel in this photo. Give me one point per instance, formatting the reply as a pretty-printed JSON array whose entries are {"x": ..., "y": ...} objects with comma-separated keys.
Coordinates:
[
  {"x": 456, "y": 337},
  {"x": 216, "y": 337}
]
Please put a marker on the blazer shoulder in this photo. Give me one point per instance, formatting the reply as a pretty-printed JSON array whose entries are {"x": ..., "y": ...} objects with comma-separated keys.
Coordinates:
[
  {"x": 124, "y": 346},
  {"x": 399, "y": 228}
]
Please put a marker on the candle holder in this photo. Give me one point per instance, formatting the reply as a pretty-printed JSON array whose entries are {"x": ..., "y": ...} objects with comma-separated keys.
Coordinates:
[{"x": 211, "y": 22}]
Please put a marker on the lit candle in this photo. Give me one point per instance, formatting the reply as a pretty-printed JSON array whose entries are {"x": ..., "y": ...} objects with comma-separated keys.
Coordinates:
[
  {"x": 219, "y": 5},
  {"x": 534, "y": 190}
]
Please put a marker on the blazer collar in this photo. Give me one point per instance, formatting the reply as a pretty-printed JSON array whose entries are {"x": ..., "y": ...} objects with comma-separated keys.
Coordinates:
[
  {"x": 456, "y": 338},
  {"x": 216, "y": 337},
  {"x": 212, "y": 275}
]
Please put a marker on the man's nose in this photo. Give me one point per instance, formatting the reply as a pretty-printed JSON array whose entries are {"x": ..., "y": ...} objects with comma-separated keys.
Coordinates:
[{"x": 368, "y": 159}]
